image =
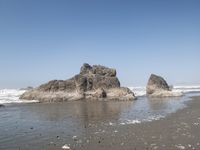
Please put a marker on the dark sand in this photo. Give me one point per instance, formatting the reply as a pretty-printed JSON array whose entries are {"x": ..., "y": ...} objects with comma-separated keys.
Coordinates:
[{"x": 180, "y": 130}]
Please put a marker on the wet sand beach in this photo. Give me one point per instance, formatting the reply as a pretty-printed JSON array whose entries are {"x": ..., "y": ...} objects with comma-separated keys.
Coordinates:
[{"x": 89, "y": 126}]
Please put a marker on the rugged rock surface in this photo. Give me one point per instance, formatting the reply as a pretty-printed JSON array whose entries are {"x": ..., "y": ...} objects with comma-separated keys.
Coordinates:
[
  {"x": 93, "y": 82},
  {"x": 156, "y": 83},
  {"x": 158, "y": 87}
]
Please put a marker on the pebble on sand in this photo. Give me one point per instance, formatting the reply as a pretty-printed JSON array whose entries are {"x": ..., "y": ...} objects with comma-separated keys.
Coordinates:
[
  {"x": 115, "y": 131},
  {"x": 75, "y": 138},
  {"x": 180, "y": 146},
  {"x": 65, "y": 146}
]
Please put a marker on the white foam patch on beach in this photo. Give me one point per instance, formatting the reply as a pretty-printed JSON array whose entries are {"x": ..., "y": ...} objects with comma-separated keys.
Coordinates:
[
  {"x": 137, "y": 121},
  {"x": 141, "y": 91},
  {"x": 12, "y": 96},
  {"x": 132, "y": 121},
  {"x": 152, "y": 118}
]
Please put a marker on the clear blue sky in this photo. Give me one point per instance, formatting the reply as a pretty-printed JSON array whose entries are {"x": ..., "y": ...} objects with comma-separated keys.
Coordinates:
[{"x": 42, "y": 40}]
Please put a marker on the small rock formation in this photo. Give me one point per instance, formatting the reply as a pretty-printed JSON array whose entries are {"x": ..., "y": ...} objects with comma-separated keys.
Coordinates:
[
  {"x": 2, "y": 106},
  {"x": 93, "y": 82},
  {"x": 158, "y": 87},
  {"x": 156, "y": 83}
]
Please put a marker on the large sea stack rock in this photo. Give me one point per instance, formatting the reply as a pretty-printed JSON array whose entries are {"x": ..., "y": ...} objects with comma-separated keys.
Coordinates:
[
  {"x": 93, "y": 82},
  {"x": 158, "y": 87}
]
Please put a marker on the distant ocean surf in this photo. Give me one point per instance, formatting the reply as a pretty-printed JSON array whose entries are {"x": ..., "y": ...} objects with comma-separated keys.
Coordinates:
[
  {"x": 8, "y": 96},
  {"x": 141, "y": 91}
]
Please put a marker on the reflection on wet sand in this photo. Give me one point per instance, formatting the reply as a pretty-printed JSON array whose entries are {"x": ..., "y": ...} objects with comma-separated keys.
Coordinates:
[
  {"x": 84, "y": 111},
  {"x": 165, "y": 105},
  {"x": 96, "y": 112}
]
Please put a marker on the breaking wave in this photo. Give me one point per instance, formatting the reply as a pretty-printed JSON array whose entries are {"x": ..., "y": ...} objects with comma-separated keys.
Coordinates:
[{"x": 12, "y": 96}]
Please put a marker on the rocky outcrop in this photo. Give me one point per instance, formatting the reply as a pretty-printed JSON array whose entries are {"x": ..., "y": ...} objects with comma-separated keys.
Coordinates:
[
  {"x": 156, "y": 83},
  {"x": 93, "y": 82},
  {"x": 158, "y": 87}
]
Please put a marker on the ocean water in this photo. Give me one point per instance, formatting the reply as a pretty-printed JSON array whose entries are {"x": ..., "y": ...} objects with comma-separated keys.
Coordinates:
[{"x": 141, "y": 110}]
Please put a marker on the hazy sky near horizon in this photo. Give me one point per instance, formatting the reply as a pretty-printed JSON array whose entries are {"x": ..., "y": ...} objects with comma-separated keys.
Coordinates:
[{"x": 42, "y": 40}]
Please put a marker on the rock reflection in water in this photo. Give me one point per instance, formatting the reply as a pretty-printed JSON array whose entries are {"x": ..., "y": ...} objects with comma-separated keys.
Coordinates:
[{"x": 84, "y": 112}]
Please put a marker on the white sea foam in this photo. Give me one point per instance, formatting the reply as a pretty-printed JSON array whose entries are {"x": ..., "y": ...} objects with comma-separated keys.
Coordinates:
[
  {"x": 141, "y": 91},
  {"x": 12, "y": 96},
  {"x": 187, "y": 89},
  {"x": 137, "y": 121},
  {"x": 132, "y": 121}
]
